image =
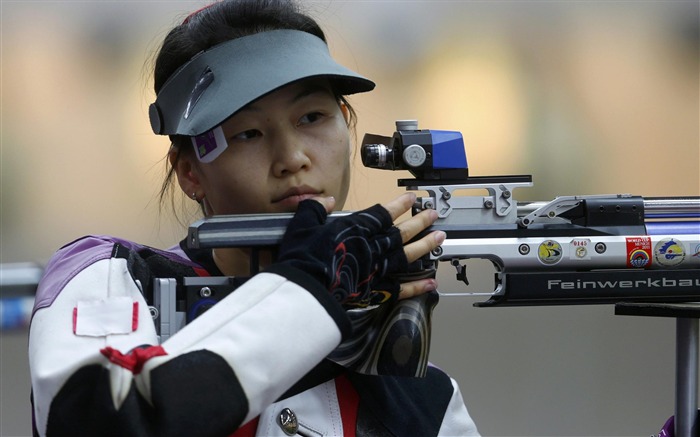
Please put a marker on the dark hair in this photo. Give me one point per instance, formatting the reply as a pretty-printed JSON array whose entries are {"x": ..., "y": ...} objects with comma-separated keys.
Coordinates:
[{"x": 216, "y": 23}]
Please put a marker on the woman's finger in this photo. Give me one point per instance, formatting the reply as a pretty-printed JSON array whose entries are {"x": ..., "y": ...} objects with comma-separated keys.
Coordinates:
[
  {"x": 424, "y": 246},
  {"x": 327, "y": 202},
  {"x": 416, "y": 224},
  {"x": 416, "y": 288},
  {"x": 400, "y": 205}
]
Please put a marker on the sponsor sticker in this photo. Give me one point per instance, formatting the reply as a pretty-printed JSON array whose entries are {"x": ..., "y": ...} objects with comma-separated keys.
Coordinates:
[
  {"x": 549, "y": 252},
  {"x": 696, "y": 252},
  {"x": 638, "y": 252},
  {"x": 579, "y": 248},
  {"x": 669, "y": 252}
]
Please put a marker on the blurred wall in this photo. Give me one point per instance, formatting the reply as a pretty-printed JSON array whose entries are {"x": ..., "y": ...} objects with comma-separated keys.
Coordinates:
[{"x": 588, "y": 97}]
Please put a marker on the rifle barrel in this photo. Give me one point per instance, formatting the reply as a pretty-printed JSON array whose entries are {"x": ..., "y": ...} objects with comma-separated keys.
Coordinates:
[{"x": 654, "y": 207}]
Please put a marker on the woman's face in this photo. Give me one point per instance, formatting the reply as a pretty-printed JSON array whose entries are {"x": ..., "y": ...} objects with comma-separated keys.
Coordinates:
[{"x": 288, "y": 146}]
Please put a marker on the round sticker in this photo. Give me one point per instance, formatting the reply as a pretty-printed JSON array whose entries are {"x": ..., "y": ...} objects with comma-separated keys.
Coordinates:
[
  {"x": 669, "y": 252},
  {"x": 581, "y": 252},
  {"x": 549, "y": 252}
]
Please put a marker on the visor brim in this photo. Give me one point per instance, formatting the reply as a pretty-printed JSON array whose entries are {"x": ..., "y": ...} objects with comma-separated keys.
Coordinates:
[{"x": 217, "y": 83}]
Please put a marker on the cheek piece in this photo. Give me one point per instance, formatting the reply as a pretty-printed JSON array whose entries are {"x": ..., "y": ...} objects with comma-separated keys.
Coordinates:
[{"x": 218, "y": 82}]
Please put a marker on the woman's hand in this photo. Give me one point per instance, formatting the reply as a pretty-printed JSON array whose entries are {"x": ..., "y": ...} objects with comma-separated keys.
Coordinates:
[
  {"x": 415, "y": 250},
  {"x": 359, "y": 258}
]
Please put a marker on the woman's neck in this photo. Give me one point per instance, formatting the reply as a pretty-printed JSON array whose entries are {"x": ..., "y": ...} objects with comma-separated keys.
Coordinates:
[{"x": 237, "y": 262}]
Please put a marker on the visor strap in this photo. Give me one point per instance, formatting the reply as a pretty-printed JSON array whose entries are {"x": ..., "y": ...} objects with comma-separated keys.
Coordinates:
[{"x": 209, "y": 145}]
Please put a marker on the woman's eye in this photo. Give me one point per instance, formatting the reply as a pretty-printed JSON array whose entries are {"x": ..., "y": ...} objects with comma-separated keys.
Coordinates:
[
  {"x": 310, "y": 117},
  {"x": 247, "y": 134}
]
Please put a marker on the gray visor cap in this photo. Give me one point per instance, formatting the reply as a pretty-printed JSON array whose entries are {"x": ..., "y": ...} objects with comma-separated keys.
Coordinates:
[{"x": 218, "y": 82}]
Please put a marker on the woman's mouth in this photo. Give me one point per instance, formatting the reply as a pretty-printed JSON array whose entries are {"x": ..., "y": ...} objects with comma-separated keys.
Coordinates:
[{"x": 292, "y": 197}]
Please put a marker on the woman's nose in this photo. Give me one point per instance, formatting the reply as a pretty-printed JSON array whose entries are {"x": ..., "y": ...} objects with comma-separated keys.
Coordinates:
[{"x": 290, "y": 156}]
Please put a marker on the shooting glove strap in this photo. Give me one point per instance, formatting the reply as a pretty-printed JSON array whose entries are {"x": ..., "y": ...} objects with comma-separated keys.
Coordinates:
[{"x": 355, "y": 257}]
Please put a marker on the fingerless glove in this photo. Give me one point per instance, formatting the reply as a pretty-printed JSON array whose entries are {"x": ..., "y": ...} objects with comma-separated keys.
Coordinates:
[{"x": 355, "y": 257}]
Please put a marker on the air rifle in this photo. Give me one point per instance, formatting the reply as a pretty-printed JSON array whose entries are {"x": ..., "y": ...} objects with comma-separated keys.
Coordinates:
[{"x": 592, "y": 249}]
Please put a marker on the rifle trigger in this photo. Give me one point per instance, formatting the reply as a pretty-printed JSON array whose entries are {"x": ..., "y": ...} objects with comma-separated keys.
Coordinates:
[{"x": 461, "y": 271}]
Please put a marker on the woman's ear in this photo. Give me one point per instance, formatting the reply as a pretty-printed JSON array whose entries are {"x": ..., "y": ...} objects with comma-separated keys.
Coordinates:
[
  {"x": 186, "y": 172},
  {"x": 346, "y": 112}
]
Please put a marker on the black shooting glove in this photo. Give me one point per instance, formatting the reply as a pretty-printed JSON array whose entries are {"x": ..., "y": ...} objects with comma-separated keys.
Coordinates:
[{"x": 355, "y": 257}]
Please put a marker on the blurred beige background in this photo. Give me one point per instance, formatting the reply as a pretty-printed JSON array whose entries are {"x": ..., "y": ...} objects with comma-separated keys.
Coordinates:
[{"x": 588, "y": 97}]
